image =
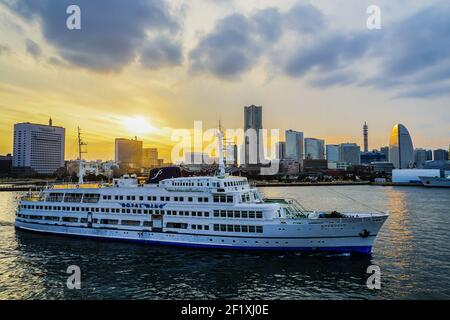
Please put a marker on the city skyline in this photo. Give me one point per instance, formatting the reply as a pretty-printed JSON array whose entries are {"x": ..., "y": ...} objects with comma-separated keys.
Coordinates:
[{"x": 148, "y": 92}]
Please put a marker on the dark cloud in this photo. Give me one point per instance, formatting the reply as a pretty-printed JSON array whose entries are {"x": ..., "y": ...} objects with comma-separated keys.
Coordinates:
[
  {"x": 327, "y": 53},
  {"x": 161, "y": 52},
  {"x": 237, "y": 42},
  {"x": 232, "y": 48},
  {"x": 417, "y": 55},
  {"x": 112, "y": 32},
  {"x": 305, "y": 18},
  {"x": 33, "y": 48}
]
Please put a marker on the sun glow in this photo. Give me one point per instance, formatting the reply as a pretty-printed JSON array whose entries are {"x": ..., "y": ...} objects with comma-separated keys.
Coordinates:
[{"x": 137, "y": 125}]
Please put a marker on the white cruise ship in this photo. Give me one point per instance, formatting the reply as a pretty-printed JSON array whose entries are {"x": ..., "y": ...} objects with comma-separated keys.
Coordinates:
[{"x": 222, "y": 212}]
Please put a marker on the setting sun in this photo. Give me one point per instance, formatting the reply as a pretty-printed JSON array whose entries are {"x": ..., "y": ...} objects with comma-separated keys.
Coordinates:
[{"x": 137, "y": 125}]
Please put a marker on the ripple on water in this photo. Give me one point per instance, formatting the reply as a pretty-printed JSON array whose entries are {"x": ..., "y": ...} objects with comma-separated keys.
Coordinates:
[{"x": 412, "y": 250}]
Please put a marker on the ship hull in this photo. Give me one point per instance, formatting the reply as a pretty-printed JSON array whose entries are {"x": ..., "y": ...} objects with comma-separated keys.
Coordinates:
[{"x": 338, "y": 244}]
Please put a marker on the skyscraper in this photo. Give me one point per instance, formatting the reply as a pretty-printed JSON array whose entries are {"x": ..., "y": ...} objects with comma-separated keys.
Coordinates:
[
  {"x": 440, "y": 154},
  {"x": 314, "y": 149},
  {"x": 400, "y": 147},
  {"x": 281, "y": 150},
  {"x": 366, "y": 137},
  {"x": 294, "y": 145},
  {"x": 385, "y": 151},
  {"x": 128, "y": 152},
  {"x": 150, "y": 157},
  {"x": 38, "y": 147},
  {"x": 253, "y": 144},
  {"x": 332, "y": 152},
  {"x": 420, "y": 156},
  {"x": 350, "y": 153}
]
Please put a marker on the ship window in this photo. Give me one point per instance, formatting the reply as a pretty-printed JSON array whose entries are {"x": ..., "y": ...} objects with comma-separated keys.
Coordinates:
[
  {"x": 237, "y": 214},
  {"x": 194, "y": 227},
  {"x": 244, "y": 214},
  {"x": 200, "y": 227},
  {"x": 70, "y": 219},
  {"x": 90, "y": 198},
  {"x": 206, "y": 214},
  {"x": 83, "y": 220},
  {"x": 206, "y": 227},
  {"x": 194, "y": 213},
  {"x": 131, "y": 223},
  {"x": 36, "y": 217},
  {"x": 216, "y": 213},
  {"x": 141, "y": 198},
  {"x": 259, "y": 215},
  {"x": 259, "y": 229},
  {"x": 251, "y": 228},
  {"x": 251, "y": 215},
  {"x": 244, "y": 228},
  {"x": 223, "y": 214},
  {"x": 190, "y": 199},
  {"x": 216, "y": 227},
  {"x": 134, "y": 211},
  {"x": 199, "y": 213},
  {"x": 176, "y": 225},
  {"x": 230, "y": 228},
  {"x": 223, "y": 227},
  {"x": 128, "y": 211},
  {"x": 229, "y": 199},
  {"x": 109, "y": 221},
  {"x": 230, "y": 214},
  {"x": 51, "y": 218},
  {"x": 237, "y": 228},
  {"x": 200, "y": 199},
  {"x": 148, "y": 224}
]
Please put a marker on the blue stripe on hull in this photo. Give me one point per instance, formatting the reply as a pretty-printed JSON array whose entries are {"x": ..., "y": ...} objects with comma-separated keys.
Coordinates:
[{"x": 349, "y": 249}]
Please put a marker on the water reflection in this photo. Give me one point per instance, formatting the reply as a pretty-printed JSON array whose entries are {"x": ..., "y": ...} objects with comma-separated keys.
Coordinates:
[{"x": 118, "y": 270}]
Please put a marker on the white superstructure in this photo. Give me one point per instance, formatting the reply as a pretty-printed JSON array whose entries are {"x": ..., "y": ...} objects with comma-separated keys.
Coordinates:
[{"x": 212, "y": 212}]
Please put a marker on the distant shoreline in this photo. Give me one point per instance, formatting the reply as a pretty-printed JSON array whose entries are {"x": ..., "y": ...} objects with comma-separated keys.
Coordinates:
[{"x": 10, "y": 187}]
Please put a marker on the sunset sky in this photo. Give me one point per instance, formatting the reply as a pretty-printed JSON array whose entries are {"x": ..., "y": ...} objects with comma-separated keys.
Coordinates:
[{"x": 145, "y": 67}]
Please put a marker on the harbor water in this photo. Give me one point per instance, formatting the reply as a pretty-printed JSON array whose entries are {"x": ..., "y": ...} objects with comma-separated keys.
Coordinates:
[{"x": 412, "y": 251}]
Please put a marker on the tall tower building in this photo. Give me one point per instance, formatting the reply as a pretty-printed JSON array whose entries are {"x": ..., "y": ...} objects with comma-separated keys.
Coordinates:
[
  {"x": 253, "y": 144},
  {"x": 294, "y": 145},
  {"x": 332, "y": 152},
  {"x": 401, "y": 152},
  {"x": 350, "y": 153},
  {"x": 128, "y": 152},
  {"x": 366, "y": 137},
  {"x": 314, "y": 149},
  {"x": 150, "y": 157},
  {"x": 38, "y": 147}
]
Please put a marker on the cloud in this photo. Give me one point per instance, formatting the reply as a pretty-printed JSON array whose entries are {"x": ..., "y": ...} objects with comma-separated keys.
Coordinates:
[
  {"x": 327, "y": 54},
  {"x": 112, "y": 34},
  {"x": 33, "y": 48},
  {"x": 304, "y": 18},
  {"x": 333, "y": 79},
  {"x": 161, "y": 52},
  {"x": 237, "y": 42},
  {"x": 228, "y": 51},
  {"x": 417, "y": 55},
  {"x": 4, "y": 49}
]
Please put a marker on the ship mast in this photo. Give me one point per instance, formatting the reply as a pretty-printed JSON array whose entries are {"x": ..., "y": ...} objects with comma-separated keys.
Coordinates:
[
  {"x": 80, "y": 160},
  {"x": 221, "y": 171}
]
